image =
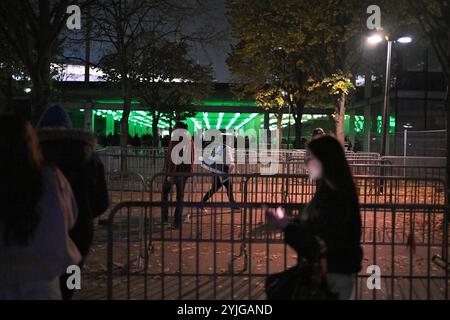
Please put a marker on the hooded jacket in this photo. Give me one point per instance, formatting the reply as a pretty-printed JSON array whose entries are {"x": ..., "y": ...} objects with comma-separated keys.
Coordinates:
[{"x": 73, "y": 152}]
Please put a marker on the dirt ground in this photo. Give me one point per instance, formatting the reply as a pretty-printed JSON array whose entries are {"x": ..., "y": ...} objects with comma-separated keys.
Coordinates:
[{"x": 219, "y": 254}]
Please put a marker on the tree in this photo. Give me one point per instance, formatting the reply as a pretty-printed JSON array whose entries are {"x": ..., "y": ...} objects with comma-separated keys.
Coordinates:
[
  {"x": 32, "y": 29},
  {"x": 127, "y": 30},
  {"x": 334, "y": 49},
  {"x": 171, "y": 81},
  {"x": 10, "y": 66},
  {"x": 119, "y": 24},
  {"x": 285, "y": 45},
  {"x": 268, "y": 61}
]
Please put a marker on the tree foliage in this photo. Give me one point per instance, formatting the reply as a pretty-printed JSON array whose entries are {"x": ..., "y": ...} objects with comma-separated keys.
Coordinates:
[
  {"x": 286, "y": 46},
  {"x": 170, "y": 81}
]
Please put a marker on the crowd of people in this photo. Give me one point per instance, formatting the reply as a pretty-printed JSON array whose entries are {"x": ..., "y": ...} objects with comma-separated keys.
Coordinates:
[
  {"x": 52, "y": 187},
  {"x": 143, "y": 141}
]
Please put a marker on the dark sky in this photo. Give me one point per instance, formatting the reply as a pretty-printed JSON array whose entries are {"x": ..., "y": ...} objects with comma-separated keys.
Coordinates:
[
  {"x": 217, "y": 52},
  {"x": 214, "y": 53}
]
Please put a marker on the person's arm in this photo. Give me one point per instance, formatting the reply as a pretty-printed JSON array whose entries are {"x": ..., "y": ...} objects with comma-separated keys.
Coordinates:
[
  {"x": 70, "y": 214},
  {"x": 299, "y": 237},
  {"x": 334, "y": 225},
  {"x": 297, "y": 233}
]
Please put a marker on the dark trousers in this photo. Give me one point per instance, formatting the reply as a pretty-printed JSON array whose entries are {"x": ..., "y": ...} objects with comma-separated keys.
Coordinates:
[
  {"x": 217, "y": 184},
  {"x": 180, "y": 183}
]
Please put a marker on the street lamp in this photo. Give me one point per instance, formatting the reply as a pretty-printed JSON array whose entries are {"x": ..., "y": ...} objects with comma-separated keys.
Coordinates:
[{"x": 373, "y": 40}]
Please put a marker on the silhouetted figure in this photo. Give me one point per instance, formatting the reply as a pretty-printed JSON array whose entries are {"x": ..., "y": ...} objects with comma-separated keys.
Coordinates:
[
  {"x": 37, "y": 209},
  {"x": 179, "y": 181},
  {"x": 73, "y": 152}
]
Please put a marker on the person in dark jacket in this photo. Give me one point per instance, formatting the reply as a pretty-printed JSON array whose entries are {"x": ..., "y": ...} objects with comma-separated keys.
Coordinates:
[
  {"x": 332, "y": 217},
  {"x": 73, "y": 152},
  {"x": 179, "y": 181}
]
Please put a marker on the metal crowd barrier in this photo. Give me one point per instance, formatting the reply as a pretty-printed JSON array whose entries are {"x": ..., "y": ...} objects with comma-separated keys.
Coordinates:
[
  {"x": 219, "y": 253},
  {"x": 149, "y": 162},
  {"x": 298, "y": 189}
]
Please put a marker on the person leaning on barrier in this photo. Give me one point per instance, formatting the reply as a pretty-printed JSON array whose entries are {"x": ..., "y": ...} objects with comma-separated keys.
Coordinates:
[
  {"x": 179, "y": 181},
  {"x": 332, "y": 217},
  {"x": 73, "y": 152},
  {"x": 37, "y": 210}
]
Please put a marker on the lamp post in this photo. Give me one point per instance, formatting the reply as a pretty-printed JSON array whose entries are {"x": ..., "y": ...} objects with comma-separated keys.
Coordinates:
[{"x": 374, "y": 39}]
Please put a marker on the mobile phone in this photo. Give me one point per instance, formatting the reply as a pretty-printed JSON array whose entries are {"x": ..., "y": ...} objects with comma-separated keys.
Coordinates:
[{"x": 279, "y": 213}]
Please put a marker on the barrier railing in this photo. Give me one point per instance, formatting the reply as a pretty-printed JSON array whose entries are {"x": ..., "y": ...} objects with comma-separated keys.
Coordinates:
[
  {"x": 226, "y": 254},
  {"x": 298, "y": 189}
]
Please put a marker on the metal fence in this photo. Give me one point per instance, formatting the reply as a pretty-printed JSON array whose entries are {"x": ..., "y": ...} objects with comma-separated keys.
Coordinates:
[
  {"x": 223, "y": 254},
  {"x": 149, "y": 162},
  {"x": 298, "y": 189}
]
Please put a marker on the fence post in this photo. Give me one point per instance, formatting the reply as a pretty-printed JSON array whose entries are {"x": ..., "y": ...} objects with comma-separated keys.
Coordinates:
[{"x": 405, "y": 145}]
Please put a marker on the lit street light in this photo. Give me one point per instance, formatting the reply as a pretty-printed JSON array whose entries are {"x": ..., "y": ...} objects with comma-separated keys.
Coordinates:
[{"x": 375, "y": 39}]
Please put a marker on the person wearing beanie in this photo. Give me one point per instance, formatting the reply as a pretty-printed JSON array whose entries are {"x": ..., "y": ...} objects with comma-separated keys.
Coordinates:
[
  {"x": 73, "y": 152},
  {"x": 332, "y": 217}
]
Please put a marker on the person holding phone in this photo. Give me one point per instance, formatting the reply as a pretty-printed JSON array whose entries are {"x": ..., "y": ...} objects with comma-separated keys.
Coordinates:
[{"x": 332, "y": 218}]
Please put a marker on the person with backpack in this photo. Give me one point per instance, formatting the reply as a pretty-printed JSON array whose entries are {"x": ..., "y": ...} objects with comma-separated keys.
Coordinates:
[{"x": 73, "y": 152}]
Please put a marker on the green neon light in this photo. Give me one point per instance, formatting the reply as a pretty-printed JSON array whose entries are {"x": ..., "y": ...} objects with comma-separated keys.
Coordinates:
[
  {"x": 250, "y": 118},
  {"x": 227, "y": 103},
  {"x": 391, "y": 124},
  {"x": 196, "y": 123},
  {"x": 219, "y": 121},
  {"x": 359, "y": 124},
  {"x": 236, "y": 116},
  {"x": 141, "y": 118},
  {"x": 113, "y": 101},
  {"x": 205, "y": 118}
]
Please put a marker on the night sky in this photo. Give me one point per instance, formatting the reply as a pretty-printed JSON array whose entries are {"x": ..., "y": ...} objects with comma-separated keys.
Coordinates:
[{"x": 214, "y": 53}]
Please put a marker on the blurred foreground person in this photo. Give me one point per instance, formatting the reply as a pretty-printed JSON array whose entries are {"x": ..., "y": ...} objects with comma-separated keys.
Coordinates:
[
  {"x": 37, "y": 209},
  {"x": 73, "y": 152},
  {"x": 179, "y": 181},
  {"x": 329, "y": 229}
]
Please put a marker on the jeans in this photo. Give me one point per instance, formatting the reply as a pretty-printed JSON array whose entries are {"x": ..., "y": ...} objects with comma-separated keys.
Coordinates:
[
  {"x": 217, "y": 184},
  {"x": 180, "y": 183},
  {"x": 341, "y": 284}
]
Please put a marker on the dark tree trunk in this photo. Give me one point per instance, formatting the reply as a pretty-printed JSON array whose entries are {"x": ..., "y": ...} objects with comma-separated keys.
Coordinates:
[
  {"x": 299, "y": 109},
  {"x": 339, "y": 118},
  {"x": 40, "y": 91},
  {"x": 155, "y": 129},
  {"x": 124, "y": 124}
]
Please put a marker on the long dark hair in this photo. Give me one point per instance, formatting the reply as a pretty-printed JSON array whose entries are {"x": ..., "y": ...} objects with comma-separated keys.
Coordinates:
[
  {"x": 336, "y": 174},
  {"x": 21, "y": 180}
]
